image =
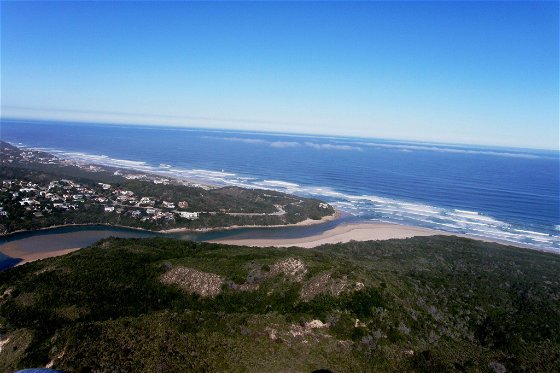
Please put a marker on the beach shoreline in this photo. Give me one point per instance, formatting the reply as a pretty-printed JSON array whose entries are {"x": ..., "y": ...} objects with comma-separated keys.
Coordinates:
[
  {"x": 12, "y": 249},
  {"x": 360, "y": 231},
  {"x": 534, "y": 240},
  {"x": 343, "y": 233},
  {"x": 49, "y": 254}
]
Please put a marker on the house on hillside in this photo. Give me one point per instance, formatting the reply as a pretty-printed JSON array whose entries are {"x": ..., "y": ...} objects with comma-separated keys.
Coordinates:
[{"x": 189, "y": 215}]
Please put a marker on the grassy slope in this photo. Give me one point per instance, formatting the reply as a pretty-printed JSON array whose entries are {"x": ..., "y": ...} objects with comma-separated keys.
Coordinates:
[{"x": 457, "y": 304}]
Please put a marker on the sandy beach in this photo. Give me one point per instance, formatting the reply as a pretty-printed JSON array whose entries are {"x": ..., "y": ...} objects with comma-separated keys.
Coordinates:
[
  {"x": 49, "y": 254},
  {"x": 41, "y": 247},
  {"x": 365, "y": 231},
  {"x": 341, "y": 233},
  {"x": 50, "y": 246}
]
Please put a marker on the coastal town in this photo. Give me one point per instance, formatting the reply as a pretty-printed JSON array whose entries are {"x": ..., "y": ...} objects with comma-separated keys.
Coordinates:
[
  {"x": 11, "y": 155},
  {"x": 20, "y": 198},
  {"x": 39, "y": 190}
]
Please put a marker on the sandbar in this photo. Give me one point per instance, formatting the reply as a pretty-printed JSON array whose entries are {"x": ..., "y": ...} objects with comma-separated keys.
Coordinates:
[
  {"x": 339, "y": 234},
  {"x": 48, "y": 254}
]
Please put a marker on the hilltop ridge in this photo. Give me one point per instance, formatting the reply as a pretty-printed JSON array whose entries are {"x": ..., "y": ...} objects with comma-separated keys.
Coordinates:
[{"x": 421, "y": 304}]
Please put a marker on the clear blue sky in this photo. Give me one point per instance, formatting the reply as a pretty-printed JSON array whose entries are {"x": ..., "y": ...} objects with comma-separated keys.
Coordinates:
[{"x": 480, "y": 73}]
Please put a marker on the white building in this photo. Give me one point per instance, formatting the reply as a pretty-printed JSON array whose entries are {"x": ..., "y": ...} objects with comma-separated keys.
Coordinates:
[
  {"x": 146, "y": 201},
  {"x": 189, "y": 215}
]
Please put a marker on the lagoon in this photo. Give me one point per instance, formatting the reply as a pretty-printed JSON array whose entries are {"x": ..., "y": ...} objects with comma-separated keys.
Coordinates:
[{"x": 33, "y": 245}]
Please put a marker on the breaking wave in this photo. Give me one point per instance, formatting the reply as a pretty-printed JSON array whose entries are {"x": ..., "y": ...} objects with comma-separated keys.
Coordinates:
[{"x": 366, "y": 207}]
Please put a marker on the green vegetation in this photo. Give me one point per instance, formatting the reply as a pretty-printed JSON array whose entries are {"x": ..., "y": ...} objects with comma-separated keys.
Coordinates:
[{"x": 423, "y": 304}]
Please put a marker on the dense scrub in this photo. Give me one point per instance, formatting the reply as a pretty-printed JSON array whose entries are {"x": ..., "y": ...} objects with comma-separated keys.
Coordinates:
[{"x": 421, "y": 304}]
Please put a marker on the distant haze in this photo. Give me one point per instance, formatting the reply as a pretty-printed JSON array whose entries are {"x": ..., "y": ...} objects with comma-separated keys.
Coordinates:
[{"x": 460, "y": 72}]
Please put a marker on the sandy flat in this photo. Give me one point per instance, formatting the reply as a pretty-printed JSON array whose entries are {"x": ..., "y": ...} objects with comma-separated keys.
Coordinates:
[
  {"x": 341, "y": 233},
  {"x": 49, "y": 254}
]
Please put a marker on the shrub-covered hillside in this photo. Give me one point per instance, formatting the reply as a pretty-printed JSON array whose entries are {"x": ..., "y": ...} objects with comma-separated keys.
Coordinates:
[{"x": 160, "y": 305}]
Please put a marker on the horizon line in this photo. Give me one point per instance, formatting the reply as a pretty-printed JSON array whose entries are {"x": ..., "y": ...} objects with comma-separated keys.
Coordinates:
[{"x": 260, "y": 131}]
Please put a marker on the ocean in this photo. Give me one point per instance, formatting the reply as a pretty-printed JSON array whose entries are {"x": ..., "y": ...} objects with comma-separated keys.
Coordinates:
[{"x": 507, "y": 194}]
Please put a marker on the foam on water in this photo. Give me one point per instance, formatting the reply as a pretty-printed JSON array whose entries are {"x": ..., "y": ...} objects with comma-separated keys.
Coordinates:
[
  {"x": 445, "y": 149},
  {"x": 98, "y": 159},
  {"x": 277, "y": 183},
  {"x": 370, "y": 207}
]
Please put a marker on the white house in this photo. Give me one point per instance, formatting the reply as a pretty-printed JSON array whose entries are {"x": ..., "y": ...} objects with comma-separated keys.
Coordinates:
[
  {"x": 189, "y": 215},
  {"x": 28, "y": 201},
  {"x": 146, "y": 201}
]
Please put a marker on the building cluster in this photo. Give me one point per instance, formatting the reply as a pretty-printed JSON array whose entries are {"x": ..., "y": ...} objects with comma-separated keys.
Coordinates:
[
  {"x": 25, "y": 198},
  {"x": 67, "y": 195},
  {"x": 144, "y": 177},
  {"x": 11, "y": 155}
]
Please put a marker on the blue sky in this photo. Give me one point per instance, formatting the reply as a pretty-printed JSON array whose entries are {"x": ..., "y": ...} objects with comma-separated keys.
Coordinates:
[{"x": 479, "y": 73}]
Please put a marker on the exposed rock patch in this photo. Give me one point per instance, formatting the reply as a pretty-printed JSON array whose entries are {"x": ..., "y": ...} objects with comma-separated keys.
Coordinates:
[
  {"x": 7, "y": 294},
  {"x": 43, "y": 270},
  {"x": 323, "y": 283},
  {"x": 311, "y": 331},
  {"x": 12, "y": 347},
  {"x": 244, "y": 287},
  {"x": 26, "y": 299},
  {"x": 4, "y": 342},
  {"x": 316, "y": 324},
  {"x": 51, "y": 363},
  {"x": 193, "y": 281},
  {"x": 292, "y": 268},
  {"x": 308, "y": 331}
]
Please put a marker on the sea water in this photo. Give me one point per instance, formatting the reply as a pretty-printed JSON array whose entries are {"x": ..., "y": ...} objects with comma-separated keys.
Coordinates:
[{"x": 507, "y": 194}]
